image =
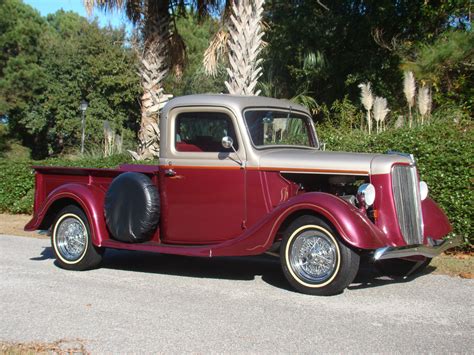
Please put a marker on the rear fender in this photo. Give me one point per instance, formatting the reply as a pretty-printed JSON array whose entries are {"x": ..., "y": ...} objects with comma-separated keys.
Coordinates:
[{"x": 88, "y": 197}]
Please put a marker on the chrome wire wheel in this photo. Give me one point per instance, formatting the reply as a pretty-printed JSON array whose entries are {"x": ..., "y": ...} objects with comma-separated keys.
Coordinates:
[
  {"x": 313, "y": 256},
  {"x": 70, "y": 238}
]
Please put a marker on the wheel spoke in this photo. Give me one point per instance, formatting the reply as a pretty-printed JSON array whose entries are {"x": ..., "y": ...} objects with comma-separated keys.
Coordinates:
[
  {"x": 313, "y": 256},
  {"x": 71, "y": 237}
]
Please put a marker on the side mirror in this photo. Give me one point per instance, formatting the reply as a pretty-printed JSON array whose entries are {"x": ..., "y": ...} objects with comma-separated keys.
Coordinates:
[
  {"x": 322, "y": 146},
  {"x": 227, "y": 142}
]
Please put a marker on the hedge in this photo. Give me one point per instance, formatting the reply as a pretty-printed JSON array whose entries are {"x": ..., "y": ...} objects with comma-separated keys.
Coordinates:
[{"x": 443, "y": 150}]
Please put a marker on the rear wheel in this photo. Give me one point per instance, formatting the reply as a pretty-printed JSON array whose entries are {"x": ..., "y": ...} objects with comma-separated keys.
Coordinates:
[
  {"x": 314, "y": 260},
  {"x": 71, "y": 240}
]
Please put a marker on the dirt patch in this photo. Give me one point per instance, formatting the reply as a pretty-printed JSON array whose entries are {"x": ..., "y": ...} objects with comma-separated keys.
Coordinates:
[
  {"x": 63, "y": 346},
  {"x": 461, "y": 265},
  {"x": 13, "y": 224}
]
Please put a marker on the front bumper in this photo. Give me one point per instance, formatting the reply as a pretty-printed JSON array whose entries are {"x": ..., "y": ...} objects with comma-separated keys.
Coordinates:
[{"x": 429, "y": 251}]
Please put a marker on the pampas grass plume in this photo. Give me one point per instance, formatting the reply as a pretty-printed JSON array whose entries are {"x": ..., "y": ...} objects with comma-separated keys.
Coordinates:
[
  {"x": 367, "y": 99},
  {"x": 409, "y": 87},
  {"x": 424, "y": 102},
  {"x": 380, "y": 112}
]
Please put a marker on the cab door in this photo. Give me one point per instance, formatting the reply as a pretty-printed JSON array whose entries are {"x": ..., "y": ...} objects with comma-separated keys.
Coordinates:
[{"x": 202, "y": 183}]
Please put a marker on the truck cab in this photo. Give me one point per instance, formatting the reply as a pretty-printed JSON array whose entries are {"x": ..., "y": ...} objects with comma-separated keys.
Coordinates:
[{"x": 245, "y": 176}]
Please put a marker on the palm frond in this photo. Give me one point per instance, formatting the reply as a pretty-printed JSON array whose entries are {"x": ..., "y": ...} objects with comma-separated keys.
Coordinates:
[
  {"x": 135, "y": 10},
  {"x": 218, "y": 49},
  {"x": 306, "y": 100}
]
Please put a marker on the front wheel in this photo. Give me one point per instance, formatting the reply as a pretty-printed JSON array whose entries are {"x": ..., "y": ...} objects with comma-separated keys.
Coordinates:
[
  {"x": 71, "y": 241},
  {"x": 314, "y": 260}
]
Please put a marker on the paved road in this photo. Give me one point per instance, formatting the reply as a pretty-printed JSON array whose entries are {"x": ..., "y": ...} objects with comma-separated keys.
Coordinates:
[{"x": 140, "y": 302}]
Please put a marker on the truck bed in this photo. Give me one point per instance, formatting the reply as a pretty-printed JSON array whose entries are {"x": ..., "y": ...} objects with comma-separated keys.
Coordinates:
[{"x": 50, "y": 178}]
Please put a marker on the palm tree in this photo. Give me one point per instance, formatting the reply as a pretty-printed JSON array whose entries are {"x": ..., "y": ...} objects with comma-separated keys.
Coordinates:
[
  {"x": 245, "y": 44},
  {"x": 240, "y": 39},
  {"x": 162, "y": 50}
]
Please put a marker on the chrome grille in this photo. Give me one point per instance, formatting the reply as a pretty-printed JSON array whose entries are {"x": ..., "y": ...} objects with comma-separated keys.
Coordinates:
[{"x": 406, "y": 194}]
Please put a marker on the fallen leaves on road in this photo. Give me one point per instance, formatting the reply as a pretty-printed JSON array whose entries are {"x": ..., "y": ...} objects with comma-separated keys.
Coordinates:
[{"x": 62, "y": 346}]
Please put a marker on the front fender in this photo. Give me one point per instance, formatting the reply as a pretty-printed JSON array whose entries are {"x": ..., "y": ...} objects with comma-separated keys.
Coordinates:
[
  {"x": 352, "y": 225},
  {"x": 435, "y": 222},
  {"x": 88, "y": 197}
]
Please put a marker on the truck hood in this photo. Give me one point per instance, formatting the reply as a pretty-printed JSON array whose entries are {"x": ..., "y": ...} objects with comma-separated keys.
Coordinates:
[{"x": 309, "y": 160}]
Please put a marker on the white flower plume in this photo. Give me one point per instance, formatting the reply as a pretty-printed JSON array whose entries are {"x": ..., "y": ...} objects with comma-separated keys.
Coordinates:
[{"x": 409, "y": 87}]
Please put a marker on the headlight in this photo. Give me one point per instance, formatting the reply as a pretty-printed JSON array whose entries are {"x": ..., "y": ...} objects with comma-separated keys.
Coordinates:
[
  {"x": 423, "y": 190},
  {"x": 366, "y": 193}
]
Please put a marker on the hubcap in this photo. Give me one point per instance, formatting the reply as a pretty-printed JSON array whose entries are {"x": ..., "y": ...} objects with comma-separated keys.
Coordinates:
[
  {"x": 313, "y": 256},
  {"x": 71, "y": 238}
]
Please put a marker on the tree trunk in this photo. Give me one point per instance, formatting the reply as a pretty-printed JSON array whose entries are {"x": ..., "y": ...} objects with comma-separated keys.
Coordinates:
[
  {"x": 154, "y": 68},
  {"x": 245, "y": 44}
]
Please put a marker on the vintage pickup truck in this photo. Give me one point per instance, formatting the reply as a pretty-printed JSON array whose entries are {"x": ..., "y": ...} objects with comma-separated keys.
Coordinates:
[{"x": 246, "y": 176}]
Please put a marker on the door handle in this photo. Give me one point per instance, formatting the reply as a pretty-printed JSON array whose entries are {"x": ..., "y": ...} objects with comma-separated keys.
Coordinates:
[{"x": 170, "y": 172}]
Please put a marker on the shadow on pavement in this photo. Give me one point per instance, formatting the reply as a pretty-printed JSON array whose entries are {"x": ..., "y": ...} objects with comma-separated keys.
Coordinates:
[
  {"x": 368, "y": 276},
  {"x": 46, "y": 254},
  {"x": 230, "y": 268}
]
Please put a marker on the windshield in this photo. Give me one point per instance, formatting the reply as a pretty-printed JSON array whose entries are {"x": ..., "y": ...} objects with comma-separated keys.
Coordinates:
[{"x": 277, "y": 128}]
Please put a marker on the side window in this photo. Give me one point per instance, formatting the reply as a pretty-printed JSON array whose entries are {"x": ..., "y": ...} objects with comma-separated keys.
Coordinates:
[{"x": 203, "y": 132}]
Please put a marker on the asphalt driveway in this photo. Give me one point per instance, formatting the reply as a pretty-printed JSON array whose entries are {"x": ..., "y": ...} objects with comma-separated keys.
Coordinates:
[{"x": 141, "y": 302}]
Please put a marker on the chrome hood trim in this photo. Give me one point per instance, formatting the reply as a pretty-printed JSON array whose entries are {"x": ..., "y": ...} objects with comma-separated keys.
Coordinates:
[{"x": 316, "y": 161}]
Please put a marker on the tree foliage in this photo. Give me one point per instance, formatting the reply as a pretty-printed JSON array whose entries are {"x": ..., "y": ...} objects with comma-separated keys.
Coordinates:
[
  {"x": 65, "y": 59},
  {"x": 328, "y": 50},
  {"x": 196, "y": 34},
  {"x": 447, "y": 64}
]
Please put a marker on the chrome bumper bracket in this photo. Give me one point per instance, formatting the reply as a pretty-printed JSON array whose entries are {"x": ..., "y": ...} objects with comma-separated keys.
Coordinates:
[{"x": 413, "y": 250}]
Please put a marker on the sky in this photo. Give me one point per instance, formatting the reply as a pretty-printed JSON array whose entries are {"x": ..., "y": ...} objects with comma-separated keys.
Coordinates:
[{"x": 51, "y": 6}]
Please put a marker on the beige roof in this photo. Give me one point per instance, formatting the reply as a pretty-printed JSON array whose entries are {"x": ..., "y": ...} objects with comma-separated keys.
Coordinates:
[{"x": 233, "y": 102}]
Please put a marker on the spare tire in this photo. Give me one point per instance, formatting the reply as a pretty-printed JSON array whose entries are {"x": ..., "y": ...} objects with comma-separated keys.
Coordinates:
[{"x": 132, "y": 208}]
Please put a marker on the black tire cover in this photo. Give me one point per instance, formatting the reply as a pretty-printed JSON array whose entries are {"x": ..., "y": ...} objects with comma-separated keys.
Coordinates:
[{"x": 132, "y": 208}]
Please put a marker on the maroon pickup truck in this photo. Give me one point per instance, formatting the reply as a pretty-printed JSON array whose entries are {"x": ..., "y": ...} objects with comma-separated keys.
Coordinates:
[{"x": 246, "y": 176}]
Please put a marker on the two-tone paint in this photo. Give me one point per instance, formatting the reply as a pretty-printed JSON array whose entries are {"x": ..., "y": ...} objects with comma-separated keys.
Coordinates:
[{"x": 222, "y": 204}]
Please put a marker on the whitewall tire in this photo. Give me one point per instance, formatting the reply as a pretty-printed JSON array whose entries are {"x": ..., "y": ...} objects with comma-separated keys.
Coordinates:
[
  {"x": 314, "y": 260},
  {"x": 71, "y": 240}
]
